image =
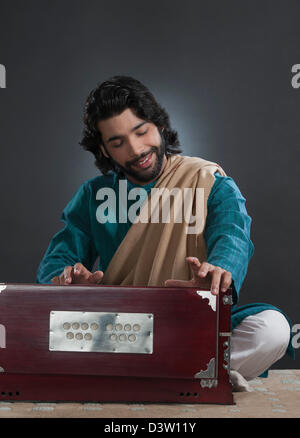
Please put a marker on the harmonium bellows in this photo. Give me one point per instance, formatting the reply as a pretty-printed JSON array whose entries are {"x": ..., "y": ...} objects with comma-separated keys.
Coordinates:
[{"x": 114, "y": 344}]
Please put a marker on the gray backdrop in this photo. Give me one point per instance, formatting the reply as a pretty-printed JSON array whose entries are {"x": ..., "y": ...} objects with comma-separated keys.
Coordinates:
[{"x": 221, "y": 69}]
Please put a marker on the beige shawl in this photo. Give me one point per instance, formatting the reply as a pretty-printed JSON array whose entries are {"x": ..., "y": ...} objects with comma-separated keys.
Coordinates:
[{"x": 152, "y": 253}]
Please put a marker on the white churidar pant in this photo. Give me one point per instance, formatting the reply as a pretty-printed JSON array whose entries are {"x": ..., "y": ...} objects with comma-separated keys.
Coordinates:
[{"x": 258, "y": 342}]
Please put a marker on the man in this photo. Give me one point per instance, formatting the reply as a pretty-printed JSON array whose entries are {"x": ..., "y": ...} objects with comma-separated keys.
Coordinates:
[{"x": 137, "y": 151}]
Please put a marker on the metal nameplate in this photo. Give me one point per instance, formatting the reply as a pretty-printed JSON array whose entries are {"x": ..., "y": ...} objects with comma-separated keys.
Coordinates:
[{"x": 101, "y": 332}]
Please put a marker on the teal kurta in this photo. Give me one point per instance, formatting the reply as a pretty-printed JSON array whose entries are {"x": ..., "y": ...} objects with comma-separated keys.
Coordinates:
[{"x": 83, "y": 238}]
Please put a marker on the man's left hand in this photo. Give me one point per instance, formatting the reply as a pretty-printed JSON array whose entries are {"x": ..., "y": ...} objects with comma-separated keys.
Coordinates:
[{"x": 219, "y": 277}]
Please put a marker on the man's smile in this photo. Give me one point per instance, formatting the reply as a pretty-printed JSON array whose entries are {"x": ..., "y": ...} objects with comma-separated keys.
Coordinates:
[{"x": 144, "y": 162}]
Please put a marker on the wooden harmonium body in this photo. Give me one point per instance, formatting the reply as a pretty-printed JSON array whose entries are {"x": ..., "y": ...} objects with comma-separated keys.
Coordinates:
[{"x": 114, "y": 344}]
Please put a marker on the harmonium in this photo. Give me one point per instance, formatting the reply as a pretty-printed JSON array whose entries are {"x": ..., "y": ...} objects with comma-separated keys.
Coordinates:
[{"x": 114, "y": 344}]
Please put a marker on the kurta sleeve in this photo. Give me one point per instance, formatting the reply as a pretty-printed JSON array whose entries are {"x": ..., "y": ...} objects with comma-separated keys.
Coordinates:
[
  {"x": 227, "y": 231},
  {"x": 73, "y": 243}
]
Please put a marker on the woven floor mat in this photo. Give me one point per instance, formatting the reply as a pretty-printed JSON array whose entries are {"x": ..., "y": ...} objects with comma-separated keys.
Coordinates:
[{"x": 277, "y": 396}]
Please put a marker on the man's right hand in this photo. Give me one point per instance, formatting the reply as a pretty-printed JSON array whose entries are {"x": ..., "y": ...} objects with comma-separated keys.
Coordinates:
[{"x": 77, "y": 274}]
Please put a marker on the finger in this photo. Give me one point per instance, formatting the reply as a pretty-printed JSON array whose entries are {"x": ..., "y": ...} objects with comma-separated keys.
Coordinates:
[
  {"x": 96, "y": 277},
  {"x": 81, "y": 271},
  {"x": 199, "y": 269},
  {"x": 226, "y": 281},
  {"x": 216, "y": 278},
  {"x": 194, "y": 264},
  {"x": 55, "y": 280},
  {"x": 66, "y": 277},
  {"x": 205, "y": 269},
  {"x": 193, "y": 261},
  {"x": 177, "y": 283}
]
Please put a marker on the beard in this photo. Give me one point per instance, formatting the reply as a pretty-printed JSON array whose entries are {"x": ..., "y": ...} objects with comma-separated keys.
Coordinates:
[{"x": 144, "y": 175}]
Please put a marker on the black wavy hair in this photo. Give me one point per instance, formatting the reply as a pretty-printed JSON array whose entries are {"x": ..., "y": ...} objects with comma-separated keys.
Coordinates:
[{"x": 111, "y": 98}]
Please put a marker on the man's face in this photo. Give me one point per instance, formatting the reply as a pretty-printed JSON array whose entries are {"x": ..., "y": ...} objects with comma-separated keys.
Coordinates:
[{"x": 134, "y": 145}]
